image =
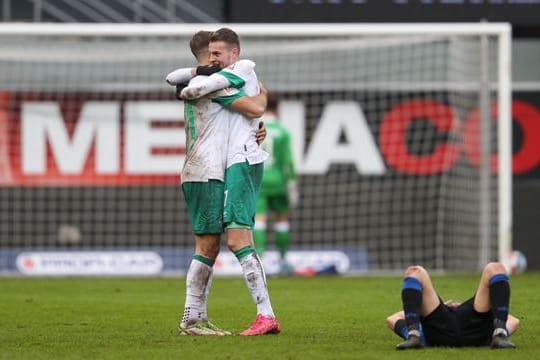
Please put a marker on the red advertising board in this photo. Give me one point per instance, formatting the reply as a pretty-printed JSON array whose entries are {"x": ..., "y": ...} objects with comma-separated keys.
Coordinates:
[
  {"x": 88, "y": 139},
  {"x": 84, "y": 139}
]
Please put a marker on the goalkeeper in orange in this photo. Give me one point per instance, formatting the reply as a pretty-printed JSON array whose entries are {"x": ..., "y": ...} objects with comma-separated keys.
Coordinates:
[{"x": 279, "y": 191}]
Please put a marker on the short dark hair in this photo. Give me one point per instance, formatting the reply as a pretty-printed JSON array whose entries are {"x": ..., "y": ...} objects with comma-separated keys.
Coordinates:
[
  {"x": 226, "y": 35},
  {"x": 272, "y": 102},
  {"x": 199, "y": 44}
]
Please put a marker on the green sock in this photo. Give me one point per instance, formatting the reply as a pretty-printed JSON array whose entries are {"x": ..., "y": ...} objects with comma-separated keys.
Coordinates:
[
  {"x": 282, "y": 242},
  {"x": 259, "y": 237},
  {"x": 243, "y": 252}
]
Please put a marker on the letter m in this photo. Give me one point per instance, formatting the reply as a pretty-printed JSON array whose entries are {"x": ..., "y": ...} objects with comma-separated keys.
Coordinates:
[{"x": 42, "y": 123}]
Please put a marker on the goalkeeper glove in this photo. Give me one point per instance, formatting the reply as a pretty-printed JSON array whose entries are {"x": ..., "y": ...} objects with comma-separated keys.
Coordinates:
[{"x": 207, "y": 69}]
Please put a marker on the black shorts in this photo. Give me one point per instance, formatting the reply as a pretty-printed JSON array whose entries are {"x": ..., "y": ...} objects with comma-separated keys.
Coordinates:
[{"x": 460, "y": 326}]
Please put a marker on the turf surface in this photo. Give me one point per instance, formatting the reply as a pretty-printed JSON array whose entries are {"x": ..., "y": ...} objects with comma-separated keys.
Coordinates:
[{"x": 322, "y": 318}]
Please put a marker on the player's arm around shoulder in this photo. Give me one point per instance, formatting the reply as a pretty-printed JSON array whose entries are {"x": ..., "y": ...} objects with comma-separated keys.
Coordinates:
[
  {"x": 184, "y": 75},
  {"x": 180, "y": 76},
  {"x": 252, "y": 107},
  {"x": 232, "y": 76},
  {"x": 242, "y": 68}
]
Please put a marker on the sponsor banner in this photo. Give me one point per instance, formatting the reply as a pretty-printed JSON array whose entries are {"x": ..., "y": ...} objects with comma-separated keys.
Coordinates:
[
  {"x": 92, "y": 139},
  {"x": 170, "y": 260},
  {"x": 89, "y": 139},
  {"x": 315, "y": 260},
  {"x": 526, "y": 128},
  {"x": 89, "y": 263}
]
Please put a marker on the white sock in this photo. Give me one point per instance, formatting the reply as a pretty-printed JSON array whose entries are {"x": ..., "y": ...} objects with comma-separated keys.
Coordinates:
[
  {"x": 256, "y": 283},
  {"x": 198, "y": 281}
]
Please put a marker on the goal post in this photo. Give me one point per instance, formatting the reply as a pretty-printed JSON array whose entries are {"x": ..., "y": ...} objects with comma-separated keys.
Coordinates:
[{"x": 401, "y": 136}]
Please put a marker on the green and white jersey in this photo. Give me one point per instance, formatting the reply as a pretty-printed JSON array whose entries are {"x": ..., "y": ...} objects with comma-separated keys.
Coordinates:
[
  {"x": 279, "y": 168},
  {"x": 241, "y": 143},
  {"x": 242, "y": 139},
  {"x": 207, "y": 125}
]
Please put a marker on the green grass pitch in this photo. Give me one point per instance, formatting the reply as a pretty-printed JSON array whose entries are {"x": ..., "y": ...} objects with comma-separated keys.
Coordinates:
[{"x": 322, "y": 318}]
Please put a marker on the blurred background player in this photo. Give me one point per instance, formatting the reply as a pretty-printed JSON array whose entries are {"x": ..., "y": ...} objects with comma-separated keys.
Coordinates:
[{"x": 279, "y": 191}]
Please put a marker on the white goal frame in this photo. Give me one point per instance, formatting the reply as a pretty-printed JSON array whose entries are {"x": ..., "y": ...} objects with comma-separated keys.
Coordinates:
[{"x": 502, "y": 31}]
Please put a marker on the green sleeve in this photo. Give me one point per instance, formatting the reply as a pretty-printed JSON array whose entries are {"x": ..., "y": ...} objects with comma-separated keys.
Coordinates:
[
  {"x": 235, "y": 80},
  {"x": 288, "y": 159},
  {"x": 227, "y": 100}
]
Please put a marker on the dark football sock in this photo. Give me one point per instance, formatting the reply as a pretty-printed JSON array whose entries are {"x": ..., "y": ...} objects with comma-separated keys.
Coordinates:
[
  {"x": 499, "y": 297},
  {"x": 400, "y": 328},
  {"x": 411, "y": 296}
]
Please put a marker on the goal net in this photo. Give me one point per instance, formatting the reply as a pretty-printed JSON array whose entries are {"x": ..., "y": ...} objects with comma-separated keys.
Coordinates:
[{"x": 400, "y": 136}]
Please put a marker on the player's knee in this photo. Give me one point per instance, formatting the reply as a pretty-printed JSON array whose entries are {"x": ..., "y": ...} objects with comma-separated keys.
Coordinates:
[
  {"x": 235, "y": 244},
  {"x": 232, "y": 244},
  {"x": 390, "y": 320},
  {"x": 495, "y": 268},
  {"x": 416, "y": 271}
]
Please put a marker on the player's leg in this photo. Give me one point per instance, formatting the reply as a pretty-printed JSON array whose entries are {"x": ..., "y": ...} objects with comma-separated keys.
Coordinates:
[
  {"x": 493, "y": 294},
  {"x": 279, "y": 205},
  {"x": 419, "y": 298},
  {"x": 204, "y": 202},
  {"x": 198, "y": 282},
  {"x": 396, "y": 323},
  {"x": 259, "y": 230},
  {"x": 242, "y": 183},
  {"x": 282, "y": 236}
]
